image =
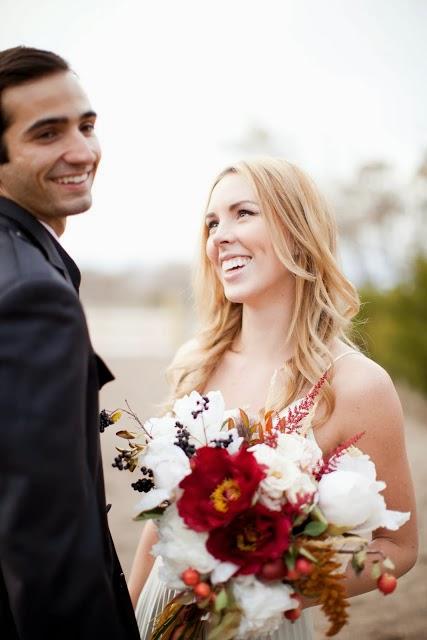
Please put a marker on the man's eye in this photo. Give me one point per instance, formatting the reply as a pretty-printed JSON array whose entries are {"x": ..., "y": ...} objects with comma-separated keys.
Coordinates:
[
  {"x": 46, "y": 135},
  {"x": 89, "y": 127}
]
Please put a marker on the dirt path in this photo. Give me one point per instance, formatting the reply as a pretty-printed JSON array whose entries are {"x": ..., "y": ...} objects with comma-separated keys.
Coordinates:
[{"x": 400, "y": 616}]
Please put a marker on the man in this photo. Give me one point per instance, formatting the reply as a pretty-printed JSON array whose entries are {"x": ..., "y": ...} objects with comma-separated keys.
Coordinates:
[{"x": 59, "y": 574}]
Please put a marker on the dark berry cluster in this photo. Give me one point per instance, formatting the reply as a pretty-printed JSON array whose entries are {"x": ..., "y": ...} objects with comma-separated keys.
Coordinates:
[
  {"x": 146, "y": 483},
  {"x": 182, "y": 441},
  {"x": 121, "y": 461},
  {"x": 104, "y": 420},
  {"x": 223, "y": 444},
  {"x": 204, "y": 406}
]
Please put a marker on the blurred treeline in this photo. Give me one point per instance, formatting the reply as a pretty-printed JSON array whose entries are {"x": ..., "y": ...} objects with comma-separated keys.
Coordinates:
[
  {"x": 383, "y": 221},
  {"x": 392, "y": 326}
]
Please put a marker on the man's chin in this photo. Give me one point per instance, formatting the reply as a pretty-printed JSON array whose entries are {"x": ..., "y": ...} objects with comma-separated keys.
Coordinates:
[{"x": 74, "y": 208}]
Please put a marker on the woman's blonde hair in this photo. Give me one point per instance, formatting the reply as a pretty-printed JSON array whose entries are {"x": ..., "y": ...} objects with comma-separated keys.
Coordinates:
[{"x": 303, "y": 234}]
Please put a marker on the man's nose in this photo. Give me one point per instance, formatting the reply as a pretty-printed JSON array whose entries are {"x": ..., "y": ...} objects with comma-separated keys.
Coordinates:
[{"x": 81, "y": 149}]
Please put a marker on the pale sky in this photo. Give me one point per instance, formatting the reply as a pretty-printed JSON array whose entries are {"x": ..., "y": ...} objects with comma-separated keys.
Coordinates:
[{"x": 177, "y": 85}]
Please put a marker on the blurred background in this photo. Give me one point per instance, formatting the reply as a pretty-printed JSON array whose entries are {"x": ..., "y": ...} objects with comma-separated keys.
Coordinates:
[{"x": 181, "y": 89}]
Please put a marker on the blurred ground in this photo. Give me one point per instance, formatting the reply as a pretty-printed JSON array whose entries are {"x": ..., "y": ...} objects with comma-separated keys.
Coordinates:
[{"x": 400, "y": 616}]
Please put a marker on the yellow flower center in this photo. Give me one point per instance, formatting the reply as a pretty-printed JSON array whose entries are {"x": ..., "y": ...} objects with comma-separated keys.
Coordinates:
[
  {"x": 246, "y": 541},
  {"x": 226, "y": 492}
]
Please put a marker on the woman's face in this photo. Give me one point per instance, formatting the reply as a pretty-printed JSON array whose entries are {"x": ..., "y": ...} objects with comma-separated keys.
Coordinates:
[{"x": 239, "y": 244}]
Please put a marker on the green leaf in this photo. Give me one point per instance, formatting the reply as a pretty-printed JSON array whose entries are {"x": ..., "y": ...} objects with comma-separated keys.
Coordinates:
[
  {"x": 221, "y": 600},
  {"x": 308, "y": 555},
  {"x": 149, "y": 515},
  {"x": 290, "y": 557},
  {"x": 358, "y": 561},
  {"x": 226, "y": 630},
  {"x": 317, "y": 514},
  {"x": 315, "y": 528},
  {"x": 376, "y": 571}
]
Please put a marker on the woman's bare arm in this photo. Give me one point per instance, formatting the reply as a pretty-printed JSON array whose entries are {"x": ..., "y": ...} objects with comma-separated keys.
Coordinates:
[
  {"x": 366, "y": 400},
  {"x": 143, "y": 561}
]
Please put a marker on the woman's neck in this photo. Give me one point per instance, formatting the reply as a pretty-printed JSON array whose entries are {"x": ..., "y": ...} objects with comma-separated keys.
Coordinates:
[{"x": 265, "y": 328}]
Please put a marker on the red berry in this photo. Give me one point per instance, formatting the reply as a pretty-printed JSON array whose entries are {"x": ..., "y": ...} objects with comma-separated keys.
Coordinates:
[
  {"x": 293, "y": 614},
  {"x": 190, "y": 577},
  {"x": 304, "y": 566},
  {"x": 386, "y": 583},
  {"x": 292, "y": 574},
  {"x": 297, "y": 597},
  {"x": 273, "y": 570},
  {"x": 202, "y": 590}
]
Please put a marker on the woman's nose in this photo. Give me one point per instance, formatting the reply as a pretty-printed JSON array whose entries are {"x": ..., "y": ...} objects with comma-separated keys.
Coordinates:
[{"x": 224, "y": 233}]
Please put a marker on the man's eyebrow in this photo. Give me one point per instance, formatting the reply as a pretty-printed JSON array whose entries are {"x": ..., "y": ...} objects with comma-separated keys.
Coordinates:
[{"x": 45, "y": 122}]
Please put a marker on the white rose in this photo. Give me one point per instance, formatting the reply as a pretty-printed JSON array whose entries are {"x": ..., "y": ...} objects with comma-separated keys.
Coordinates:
[
  {"x": 299, "y": 449},
  {"x": 169, "y": 465},
  {"x": 281, "y": 474},
  {"x": 262, "y": 606},
  {"x": 349, "y": 498},
  {"x": 181, "y": 548},
  {"x": 303, "y": 486}
]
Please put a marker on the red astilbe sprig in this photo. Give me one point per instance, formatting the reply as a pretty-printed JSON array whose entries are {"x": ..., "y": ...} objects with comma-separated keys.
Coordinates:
[
  {"x": 331, "y": 459},
  {"x": 291, "y": 423}
]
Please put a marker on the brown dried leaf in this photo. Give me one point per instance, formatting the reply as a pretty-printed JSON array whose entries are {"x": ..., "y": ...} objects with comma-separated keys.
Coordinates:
[
  {"x": 244, "y": 418},
  {"x": 128, "y": 435},
  {"x": 326, "y": 585}
]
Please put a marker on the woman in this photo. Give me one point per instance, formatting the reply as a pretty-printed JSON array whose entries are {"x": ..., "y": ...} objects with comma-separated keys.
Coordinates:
[{"x": 275, "y": 310}]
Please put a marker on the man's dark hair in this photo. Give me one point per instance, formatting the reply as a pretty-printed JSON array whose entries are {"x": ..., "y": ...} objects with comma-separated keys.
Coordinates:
[{"x": 19, "y": 65}]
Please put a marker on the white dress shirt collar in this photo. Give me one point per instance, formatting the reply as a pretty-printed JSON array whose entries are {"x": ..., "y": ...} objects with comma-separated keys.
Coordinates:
[{"x": 49, "y": 228}]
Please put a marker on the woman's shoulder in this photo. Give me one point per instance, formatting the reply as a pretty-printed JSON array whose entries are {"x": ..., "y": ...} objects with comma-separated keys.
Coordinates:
[
  {"x": 354, "y": 373},
  {"x": 364, "y": 394}
]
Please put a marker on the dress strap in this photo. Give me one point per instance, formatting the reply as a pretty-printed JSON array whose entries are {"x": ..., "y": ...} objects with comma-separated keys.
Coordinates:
[{"x": 343, "y": 355}]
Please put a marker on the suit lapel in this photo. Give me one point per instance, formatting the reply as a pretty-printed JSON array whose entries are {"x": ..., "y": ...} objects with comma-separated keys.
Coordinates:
[{"x": 27, "y": 224}]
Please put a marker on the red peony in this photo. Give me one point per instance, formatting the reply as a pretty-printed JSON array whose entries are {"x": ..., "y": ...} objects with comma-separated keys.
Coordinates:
[
  {"x": 251, "y": 539},
  {"x": 219, "y": 487}
]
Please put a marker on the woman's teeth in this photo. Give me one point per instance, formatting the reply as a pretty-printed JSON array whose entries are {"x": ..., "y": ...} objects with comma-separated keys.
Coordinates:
[{"x": 234, "y": 263}]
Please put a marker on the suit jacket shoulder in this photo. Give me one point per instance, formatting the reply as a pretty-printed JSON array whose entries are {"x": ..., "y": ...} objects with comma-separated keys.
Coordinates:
[{"x": 21, "y": 261}]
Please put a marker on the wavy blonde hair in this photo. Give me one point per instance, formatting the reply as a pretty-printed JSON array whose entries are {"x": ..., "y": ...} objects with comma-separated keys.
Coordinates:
[{"x": 303, "y": 234}]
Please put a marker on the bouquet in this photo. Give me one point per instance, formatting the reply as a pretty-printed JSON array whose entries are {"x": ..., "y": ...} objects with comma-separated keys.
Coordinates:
[{"x": 251, "y": 516}]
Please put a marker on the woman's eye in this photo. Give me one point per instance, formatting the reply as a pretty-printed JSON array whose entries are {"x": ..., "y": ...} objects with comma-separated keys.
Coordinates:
[
  {"x": 245, "y": 212},
  {"x": 212, "y": 224}
]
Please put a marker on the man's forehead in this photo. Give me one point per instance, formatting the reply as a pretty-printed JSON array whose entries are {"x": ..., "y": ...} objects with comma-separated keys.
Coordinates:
[{"x": 59, "y": 94}]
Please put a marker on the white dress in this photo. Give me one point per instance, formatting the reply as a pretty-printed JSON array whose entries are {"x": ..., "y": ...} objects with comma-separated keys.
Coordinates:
[{"x": 154, "y": 596}]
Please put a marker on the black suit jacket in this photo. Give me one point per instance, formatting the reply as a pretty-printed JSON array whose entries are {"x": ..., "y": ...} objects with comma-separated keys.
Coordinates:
[{"x": 59, "y": 573}]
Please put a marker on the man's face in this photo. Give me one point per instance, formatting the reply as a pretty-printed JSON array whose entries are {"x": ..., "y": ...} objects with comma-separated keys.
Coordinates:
[{"x": 52, "y": 147}]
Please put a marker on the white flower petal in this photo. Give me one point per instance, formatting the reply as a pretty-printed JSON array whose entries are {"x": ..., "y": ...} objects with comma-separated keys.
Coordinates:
[
  {"x": 223, "y": 572},
  {"x": 198, "y": 416},
  {"x": 152, "y": 499},
  {"x": 262, "y": 605},
  {"x": 349, "y": 497},
  {"x": 181, "y": 548}
]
